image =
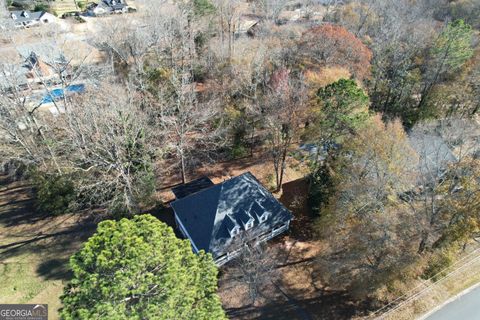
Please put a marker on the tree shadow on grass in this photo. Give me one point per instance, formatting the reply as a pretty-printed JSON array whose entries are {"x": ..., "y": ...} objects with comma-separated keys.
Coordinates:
[
  {"x": 19, "y": 211},
  {"x": 50, "y": 242},
  {"x": 52, "y": 250},
  {"x": 30, "y": 234},
  {"x": 55, "y": 269},
  {"x": 17, "y": 204}
]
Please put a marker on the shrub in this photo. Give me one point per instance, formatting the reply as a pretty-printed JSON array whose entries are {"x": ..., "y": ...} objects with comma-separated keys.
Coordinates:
[
  {"x": 322, "y": 188},
  {"x": 238, "y": 151},
  {"x": 199, "y": 73},
  {"x": 54, "y": 193},
  {"x": 41, "y": 7},
  {"x": 437, "y": 265},
  {"x": 82, "y": 5},
  {"x": 203, "y": 7}
]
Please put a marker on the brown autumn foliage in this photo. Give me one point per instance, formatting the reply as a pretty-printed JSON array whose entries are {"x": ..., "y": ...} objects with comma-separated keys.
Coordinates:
[
  {"x": 332, "y": 45},
  {"x": 364, "y": 221},
  {"x": 325, "y": 76}
]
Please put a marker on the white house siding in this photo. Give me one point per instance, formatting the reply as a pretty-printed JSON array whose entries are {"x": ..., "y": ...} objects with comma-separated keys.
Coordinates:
[
  {"x": 47, "y": 18},
  {"x": 220, "y": 261},
  {"x": 98, "y": 11}
]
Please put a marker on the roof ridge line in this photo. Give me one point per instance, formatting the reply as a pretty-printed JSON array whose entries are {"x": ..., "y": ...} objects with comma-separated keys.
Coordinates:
[{"x": 216, "y": 210}]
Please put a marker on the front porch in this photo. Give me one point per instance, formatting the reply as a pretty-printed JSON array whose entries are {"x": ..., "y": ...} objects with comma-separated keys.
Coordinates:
[{"x": 220, "y": 261}]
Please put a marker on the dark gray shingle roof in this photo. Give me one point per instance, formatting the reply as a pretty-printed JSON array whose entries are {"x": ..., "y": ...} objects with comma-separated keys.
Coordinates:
[
  {"x": 25, "y": 16},
  {"x": 115, "y": 4},
  {"x": 193, "y": 186},
  {"x": 434, "y": 153},
  {"x": 208, "y": 215}
]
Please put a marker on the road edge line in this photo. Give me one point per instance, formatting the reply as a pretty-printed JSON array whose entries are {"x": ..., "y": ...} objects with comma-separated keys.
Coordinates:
[{"x": 455, "y": 297}]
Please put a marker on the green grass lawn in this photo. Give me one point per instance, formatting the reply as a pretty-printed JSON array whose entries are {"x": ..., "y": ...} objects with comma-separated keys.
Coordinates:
[
  {"x": 34, "y": 249},
  {"x": 21, "y": 284}
]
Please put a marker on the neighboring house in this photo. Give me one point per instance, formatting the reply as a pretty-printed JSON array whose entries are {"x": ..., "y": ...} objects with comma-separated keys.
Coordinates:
[
  {"x": 222, "y": 218},
  {"x": 433, "y": 152},
  {"x": 108, "y": 7},
  {"x": 25, "y": 19},
  {"x": 434, "y": 149},
  {"x": 35, "y": 65},
  {"x": 34, "y": 72},
  {"x": 246, "y": 24},
  {"x": 38, "y": 70}
]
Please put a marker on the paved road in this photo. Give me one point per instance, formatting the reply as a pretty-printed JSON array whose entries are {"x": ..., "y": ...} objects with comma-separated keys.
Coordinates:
[{"x": 467, "y": 307}]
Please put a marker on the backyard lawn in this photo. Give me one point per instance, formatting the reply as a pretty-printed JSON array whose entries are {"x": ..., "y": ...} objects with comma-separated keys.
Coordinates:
[{"x": 34, "y": 248}]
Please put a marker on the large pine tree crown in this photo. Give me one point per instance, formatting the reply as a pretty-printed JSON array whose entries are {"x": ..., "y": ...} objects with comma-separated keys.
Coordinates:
[{"x": 137, "y": 269}]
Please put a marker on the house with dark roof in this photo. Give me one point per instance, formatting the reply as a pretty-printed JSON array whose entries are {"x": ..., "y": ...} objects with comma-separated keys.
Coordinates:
[
  {"x": 107, "y": 7},
  {"x": 24, "y": 18},
  {"x": 222, "y": 218},
  {"x": 433, "y": 150}
]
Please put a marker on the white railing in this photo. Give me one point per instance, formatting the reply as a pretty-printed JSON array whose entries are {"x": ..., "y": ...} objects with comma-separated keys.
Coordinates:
[{"x": 265, "y": 237}]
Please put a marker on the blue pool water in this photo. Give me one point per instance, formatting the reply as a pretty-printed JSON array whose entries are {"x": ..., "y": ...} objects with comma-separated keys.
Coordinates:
[{"x": 57, "y": 94}]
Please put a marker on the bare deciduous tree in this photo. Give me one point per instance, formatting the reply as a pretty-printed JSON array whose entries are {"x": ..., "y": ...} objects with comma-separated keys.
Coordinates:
[
  {"x": 112, "y": 145},
  {"x": 442, "y": 147},
  {"x": 27, "y": 132},
  {"x": 284, "y": 113},
  {"x": 228, "y": 14},
  {"x": 186, "y": 120},
  {"x": 5, "y": 21},
  {"x": 255, "y": 267},
  {"x": 270, "y": 9}
]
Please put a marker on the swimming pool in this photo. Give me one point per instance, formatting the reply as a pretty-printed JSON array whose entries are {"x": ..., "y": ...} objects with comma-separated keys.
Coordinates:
[{"x": 57, "y": 94}]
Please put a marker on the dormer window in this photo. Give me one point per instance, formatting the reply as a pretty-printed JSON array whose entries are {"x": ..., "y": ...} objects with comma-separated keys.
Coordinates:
[
  {"x": 235, "y": 231},
  {"x": 14, "y": 16},
  {"x": 232, "y": 226},
  {"x": 260, "y": 212},
  {"x": 25, "y": 14},
  {"x": 264, "y": 217},
  {"x": 246, "y": 219}
]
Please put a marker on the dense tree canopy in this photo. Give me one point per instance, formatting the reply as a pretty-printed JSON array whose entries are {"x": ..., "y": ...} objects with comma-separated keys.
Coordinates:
[
  {"x": 450, "y": 52},
  {"x": 335, "y": 46},
  {"x": 461, "y": 211},
  {"x": 367, "y": 177},
  {"x": 180, "y": 89},
  {"x": 340, "y": 108},
  {"x": 138, "y": 269}
]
